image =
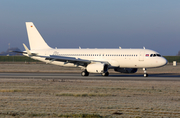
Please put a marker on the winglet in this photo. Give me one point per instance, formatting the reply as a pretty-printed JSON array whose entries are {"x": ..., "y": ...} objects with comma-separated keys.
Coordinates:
[{"x": 27, "y": 50}]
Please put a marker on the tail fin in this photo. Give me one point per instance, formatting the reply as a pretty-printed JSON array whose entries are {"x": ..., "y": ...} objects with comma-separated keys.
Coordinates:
[{"x": 35, "y": 39}]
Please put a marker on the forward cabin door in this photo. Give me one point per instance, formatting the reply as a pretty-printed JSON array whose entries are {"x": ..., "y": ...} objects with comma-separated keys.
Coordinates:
[{"x": 141, "y": 55}]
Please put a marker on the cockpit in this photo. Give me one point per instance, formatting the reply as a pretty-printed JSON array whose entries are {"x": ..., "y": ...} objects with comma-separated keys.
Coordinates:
[{"x": 155, "y": 55}]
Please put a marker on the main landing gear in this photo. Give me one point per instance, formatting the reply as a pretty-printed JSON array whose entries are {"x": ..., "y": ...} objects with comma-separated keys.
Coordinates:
[
  {"x": 86, "y": 73},
  {"x": 145, "y": 73},
  {"x": 105, "y": 74}
]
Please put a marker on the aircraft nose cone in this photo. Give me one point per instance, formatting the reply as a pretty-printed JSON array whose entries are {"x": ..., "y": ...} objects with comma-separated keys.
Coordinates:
[{"x": 164, "y": 61}]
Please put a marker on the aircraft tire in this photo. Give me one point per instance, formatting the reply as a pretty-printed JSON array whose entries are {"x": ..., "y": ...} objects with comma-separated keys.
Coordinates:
[
  {"x": 145, "y": 75},
  {"x": 105, "y": 74},
  {"x": 84, "y": 73}
]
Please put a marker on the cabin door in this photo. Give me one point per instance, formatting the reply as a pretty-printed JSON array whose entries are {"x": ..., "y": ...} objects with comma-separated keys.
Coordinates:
[{"x": 141, "y": 56}]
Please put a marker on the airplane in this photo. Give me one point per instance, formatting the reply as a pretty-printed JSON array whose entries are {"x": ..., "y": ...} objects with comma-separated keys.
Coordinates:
[{"x": 92, "y": 60}]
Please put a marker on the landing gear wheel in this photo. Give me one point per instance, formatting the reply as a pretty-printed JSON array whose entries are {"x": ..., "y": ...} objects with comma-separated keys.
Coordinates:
[
  {"x": 145, "y": 75},
  {"x": 105, "y": 74},
  {"x": 84, "y": 73}
]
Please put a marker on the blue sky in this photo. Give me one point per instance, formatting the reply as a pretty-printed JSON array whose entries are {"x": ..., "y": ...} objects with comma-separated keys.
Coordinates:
[{"x": 154, "y": 24}]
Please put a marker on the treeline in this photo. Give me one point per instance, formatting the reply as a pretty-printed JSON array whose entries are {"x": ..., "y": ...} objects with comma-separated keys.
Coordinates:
[
  {"x": 27, "y": 59},
  {"x": 16, "y": 59},
  {"x": 170, "y": 59}
]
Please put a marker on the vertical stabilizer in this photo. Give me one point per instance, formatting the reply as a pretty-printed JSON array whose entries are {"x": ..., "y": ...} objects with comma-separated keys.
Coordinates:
[{"x": 35, "y": 39}]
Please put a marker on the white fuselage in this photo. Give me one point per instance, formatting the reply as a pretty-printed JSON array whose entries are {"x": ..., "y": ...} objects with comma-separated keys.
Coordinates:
[
  {"x": 92, "y": 60},
  {"x": 123, "y": 58}
]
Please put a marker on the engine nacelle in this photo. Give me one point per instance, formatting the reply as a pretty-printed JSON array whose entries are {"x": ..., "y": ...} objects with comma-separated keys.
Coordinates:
[
  {"x": 97, "y": 68},
  {"x": 126, "y": 70}
]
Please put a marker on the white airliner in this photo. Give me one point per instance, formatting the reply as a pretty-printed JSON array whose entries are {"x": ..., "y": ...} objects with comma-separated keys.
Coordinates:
[{"x": 92, "y": 60}]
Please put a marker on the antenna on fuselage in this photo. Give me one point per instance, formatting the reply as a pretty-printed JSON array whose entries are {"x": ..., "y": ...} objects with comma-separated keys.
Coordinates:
[{"x": 144, "y": 48}]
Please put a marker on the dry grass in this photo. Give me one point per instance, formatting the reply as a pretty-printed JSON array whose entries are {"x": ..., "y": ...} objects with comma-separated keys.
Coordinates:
[
  {"x": 88, "y": 98},
  {"x": 85, "y": 94}
]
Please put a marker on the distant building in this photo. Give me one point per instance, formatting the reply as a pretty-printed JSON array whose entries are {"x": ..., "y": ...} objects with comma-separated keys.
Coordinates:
[
  {"x": 10, "y": 52},
  {"x": 178, "y": 54}
]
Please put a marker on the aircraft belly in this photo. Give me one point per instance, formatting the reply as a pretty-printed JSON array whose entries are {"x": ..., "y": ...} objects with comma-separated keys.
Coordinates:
[
  {"x": 128, "y": 63},
  {"x": 135, "y": 64},
  {"x": 138, "y": 64},
  {"x": 113, "y": 62}
]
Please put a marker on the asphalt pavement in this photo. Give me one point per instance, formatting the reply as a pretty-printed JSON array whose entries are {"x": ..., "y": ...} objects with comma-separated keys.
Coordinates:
[{"x": 76, "y": 76}]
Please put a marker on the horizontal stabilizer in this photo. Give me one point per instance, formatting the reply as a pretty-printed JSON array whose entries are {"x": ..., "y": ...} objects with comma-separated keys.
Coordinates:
[
  {"x": 19, "y": 52},
  {"x": 28, "y": 51}
]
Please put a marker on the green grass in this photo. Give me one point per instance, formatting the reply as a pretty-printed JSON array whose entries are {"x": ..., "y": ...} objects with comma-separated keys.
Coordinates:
[{"x": 16, "y": 59}]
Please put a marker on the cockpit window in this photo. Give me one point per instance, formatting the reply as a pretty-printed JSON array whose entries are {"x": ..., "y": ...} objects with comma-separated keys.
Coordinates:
[
  {"x": 158, "y": 55},
  {"x": 155, "y": 55}
]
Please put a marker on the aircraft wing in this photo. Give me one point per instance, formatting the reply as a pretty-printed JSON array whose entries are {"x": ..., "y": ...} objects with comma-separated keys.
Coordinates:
[{"x": 77, "y": 61}]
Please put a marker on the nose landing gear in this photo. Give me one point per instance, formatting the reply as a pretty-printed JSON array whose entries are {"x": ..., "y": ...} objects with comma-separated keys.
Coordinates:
[{"x": 145, "y": 73}]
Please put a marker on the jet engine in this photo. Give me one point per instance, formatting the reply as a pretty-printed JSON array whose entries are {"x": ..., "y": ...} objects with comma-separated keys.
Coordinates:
[
  {"x": 126, "y": 70},
  {"x": 97, "y": 68}
]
